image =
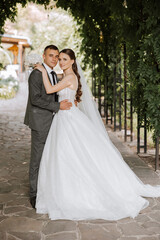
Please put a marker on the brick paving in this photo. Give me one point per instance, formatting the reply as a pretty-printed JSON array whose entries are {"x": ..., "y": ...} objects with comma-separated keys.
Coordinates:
[{"x": 18, "y": 221}]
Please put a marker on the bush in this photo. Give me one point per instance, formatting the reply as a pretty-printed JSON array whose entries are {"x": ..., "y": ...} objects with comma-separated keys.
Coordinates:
[{"x": 8, "y": 87}]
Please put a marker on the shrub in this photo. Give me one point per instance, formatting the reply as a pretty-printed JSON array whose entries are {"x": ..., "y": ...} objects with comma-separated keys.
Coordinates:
[{"x": 8, "y": 87}]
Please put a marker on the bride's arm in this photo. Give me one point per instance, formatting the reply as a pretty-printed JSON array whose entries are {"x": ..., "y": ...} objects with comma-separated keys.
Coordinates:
[
  {"x": 59, "y": 86},
  {"x": 49, "y": 88}
]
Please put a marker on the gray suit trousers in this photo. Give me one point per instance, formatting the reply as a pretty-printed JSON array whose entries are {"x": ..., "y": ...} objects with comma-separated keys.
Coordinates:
[{"x": 38, "y": 139}]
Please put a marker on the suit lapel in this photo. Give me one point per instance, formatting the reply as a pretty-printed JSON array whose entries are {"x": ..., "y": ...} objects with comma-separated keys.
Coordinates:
[
  {"x": 47, "y": 74},
  {"x": 50, "y": 82}
]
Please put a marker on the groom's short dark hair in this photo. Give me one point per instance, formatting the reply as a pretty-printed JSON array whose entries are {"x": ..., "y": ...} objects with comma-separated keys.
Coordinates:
[{"x": 51, "y": 47}]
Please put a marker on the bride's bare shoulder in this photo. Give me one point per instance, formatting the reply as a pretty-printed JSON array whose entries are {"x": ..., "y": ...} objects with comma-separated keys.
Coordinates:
[{"x": 70, "y": 76}]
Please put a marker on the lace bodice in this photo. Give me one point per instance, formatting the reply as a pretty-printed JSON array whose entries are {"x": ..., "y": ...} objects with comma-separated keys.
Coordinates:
[{"x": 67, "y": 93}]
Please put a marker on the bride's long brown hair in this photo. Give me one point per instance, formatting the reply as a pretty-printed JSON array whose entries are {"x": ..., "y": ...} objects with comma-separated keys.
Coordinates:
[{"x": 71, "y": 54}]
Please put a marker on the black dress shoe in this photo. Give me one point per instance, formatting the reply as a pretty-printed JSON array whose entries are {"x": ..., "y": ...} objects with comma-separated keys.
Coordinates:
[{"x": 33, "y": 201}]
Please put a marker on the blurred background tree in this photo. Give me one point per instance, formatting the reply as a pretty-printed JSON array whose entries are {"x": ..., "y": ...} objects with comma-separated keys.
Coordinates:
[{"x": 44, "y": 27}]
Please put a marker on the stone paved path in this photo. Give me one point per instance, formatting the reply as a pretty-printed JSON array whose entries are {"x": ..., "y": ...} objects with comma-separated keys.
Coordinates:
[{"x": 18, "y": 221}]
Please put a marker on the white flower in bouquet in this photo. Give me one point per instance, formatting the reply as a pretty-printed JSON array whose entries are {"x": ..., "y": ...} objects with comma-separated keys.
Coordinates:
[
  {"x": 30, "y": 62},
  {"x": 32, "y": 59}
]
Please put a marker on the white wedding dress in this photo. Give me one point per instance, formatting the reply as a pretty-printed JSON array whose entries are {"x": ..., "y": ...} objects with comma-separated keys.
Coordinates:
[{"x": 83, "y": 176}]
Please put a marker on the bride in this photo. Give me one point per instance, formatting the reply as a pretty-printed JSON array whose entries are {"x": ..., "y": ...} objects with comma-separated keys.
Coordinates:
[{"x": 82, "y": 175}]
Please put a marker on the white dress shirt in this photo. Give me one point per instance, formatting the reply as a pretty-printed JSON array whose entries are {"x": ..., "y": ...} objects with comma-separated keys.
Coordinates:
[{"x": 49, "y": 70}]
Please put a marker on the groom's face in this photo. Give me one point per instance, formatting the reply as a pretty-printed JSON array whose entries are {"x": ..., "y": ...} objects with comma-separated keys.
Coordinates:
[{"x": 50, "y": 57}]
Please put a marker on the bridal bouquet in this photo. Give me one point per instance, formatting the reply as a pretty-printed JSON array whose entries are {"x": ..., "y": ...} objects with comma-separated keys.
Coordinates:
[
  {"x": 32, "y": 59},
  {"x": 30, "y": 62}
]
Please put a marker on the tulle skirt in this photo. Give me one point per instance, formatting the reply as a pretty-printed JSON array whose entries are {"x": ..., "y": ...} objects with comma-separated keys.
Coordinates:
[{"x": 83, "y": 176}]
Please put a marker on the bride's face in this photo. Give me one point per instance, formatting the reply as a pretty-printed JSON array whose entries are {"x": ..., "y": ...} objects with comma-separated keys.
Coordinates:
[{"x": 65, "y": 62}]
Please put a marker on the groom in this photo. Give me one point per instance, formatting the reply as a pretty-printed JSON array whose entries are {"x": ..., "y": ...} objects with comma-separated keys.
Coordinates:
[{"x": 40, "y": 112}]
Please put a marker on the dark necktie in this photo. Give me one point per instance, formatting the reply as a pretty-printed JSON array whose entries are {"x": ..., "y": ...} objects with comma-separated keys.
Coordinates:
[
  {"x": 53, "y": 77},
  {"x": 54, "y": 82}
]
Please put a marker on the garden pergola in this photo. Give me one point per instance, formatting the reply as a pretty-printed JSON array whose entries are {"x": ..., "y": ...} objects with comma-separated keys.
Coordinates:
[{"x": 18, "y": 48}]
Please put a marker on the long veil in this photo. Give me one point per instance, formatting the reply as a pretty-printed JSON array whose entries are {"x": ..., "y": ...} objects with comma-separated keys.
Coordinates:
[
  {"x": 88, "y": 105},
  {"x": 89, "y": 108}
]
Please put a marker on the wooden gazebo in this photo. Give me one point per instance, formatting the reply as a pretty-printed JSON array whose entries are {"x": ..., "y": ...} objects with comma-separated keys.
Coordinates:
[{"x": 18, "y": 48}]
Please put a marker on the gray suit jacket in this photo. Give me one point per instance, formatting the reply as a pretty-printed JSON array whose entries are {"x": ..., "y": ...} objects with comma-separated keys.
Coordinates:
[{"x": 40, "y": 106}]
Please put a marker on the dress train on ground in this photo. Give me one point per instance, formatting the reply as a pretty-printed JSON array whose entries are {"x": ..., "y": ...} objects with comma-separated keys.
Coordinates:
[{"x": 83, "y": 176}]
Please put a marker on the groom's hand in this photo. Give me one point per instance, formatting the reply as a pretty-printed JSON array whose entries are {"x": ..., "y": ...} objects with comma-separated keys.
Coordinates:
[{"x": 65, "y": 105}]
